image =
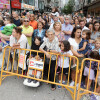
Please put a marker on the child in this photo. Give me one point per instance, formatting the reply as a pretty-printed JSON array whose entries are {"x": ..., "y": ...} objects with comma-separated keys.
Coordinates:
[
  {"x": 64, "y": 50},
  {"x": 97, "y": 45},
  {"x": 35, "y": 46},
  {"x": 94, "y": 66},
  {"x": 84, "y": 44}
]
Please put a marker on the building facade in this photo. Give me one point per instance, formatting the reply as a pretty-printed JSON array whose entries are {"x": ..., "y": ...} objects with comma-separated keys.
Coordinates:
[{"x": 88, "y": 6}]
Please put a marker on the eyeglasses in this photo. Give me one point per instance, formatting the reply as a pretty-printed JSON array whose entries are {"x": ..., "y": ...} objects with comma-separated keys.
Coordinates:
[{"x": 26, "y": 20}]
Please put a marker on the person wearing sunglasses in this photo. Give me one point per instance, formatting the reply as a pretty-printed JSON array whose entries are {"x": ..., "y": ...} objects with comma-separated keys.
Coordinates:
[{"x": 27, "y": 30}]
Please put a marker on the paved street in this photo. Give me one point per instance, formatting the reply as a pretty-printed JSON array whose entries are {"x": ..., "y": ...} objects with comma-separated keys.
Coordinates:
[{"x": 12, "y": 88}]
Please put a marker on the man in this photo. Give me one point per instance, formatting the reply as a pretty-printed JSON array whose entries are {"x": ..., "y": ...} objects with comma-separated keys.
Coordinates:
[
  {"x": 56, "y": 19},
  {"x": 88, "y": 18},
  {"x": 62, "y": 19},
  {"x": 67, "y": 28},
  {"x": 16, "y": 19},
  {"x": 82, "y": 25},
  {"x": 33, "y": 23},
  {"x": 27, "y": 30}
]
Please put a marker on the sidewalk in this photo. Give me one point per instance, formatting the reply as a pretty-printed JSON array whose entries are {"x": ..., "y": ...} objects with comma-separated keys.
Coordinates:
[{"x": 12, "y": 88}]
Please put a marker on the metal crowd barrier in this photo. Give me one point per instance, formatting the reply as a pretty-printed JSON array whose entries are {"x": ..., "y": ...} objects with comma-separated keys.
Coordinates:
[
  {"x": 6, "y": 72},
  {"x": 82, "y": 91}
]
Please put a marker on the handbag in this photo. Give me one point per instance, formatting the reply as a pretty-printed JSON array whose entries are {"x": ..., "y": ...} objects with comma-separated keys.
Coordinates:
[{"x": 47, "y": 60}]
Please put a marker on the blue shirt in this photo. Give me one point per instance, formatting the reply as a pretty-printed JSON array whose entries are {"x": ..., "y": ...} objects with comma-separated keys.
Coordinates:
[
  {"x": 68, "y": 27},
  {"x": 1, "y": 28}
]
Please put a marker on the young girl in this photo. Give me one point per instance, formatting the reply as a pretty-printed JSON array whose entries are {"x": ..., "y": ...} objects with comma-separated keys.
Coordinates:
[
  {"x": 94, "y": 66},
  {"x": 83, "y": 46},
  {"x": 35, "y": 46},
  {"x": 64, "y": 50}
]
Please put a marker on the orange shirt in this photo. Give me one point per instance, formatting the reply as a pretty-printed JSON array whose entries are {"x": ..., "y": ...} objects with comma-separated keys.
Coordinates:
[{"x": 34, "y": 24}]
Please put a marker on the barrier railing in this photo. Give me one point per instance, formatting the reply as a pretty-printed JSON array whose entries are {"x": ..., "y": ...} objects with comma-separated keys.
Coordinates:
[
  {"x": 90, "y": 73},
  {"x": 19, "y": 59}
]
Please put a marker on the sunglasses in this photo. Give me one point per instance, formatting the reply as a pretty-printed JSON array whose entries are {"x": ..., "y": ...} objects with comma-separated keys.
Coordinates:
[{"x": 26, "y": 20}]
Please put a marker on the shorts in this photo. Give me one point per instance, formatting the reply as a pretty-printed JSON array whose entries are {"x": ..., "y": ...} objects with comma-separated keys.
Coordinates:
[
  {"x": 86, "y": 73},
  {"x": 65, "y": 70},
  {"x": 98, "y": 80}
]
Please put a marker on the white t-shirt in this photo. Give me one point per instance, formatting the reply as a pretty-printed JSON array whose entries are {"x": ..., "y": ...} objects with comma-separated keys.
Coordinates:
[
  {"x": 73, "y": 43},
  {"x": 22, "y": 41},
  {"x": 88, "y": 20},
  {"x": 66, "y": 60}
]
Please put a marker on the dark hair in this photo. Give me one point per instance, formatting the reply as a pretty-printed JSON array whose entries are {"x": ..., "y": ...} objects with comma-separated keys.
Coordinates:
[
  {"x": 37, "y": 38},
  {"x": 8, "y": 19},
  {"x": 95, "y": 55},
  {"x": 82, "y": 20},
  {"x": 67, "y": 46},
  {"x": 1, "y": 23},
  {"x": 18, "y": 30},
  {"x": 74, "y": 30},
  {"x": 94, "y": 25},
  {"x": 88, "y": 34},
  {"x": 87, "y": 24},
  {"x": 56, "y": 9}
]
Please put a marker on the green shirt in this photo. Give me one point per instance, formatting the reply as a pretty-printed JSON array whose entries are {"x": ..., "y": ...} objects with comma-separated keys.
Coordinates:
[{"x": 8, "y": 29}]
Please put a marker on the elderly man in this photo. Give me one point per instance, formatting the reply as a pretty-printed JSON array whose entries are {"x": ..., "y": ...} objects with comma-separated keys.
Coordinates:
[
  {"x": 67, "y": 28},
  {"x": 50, "y": 45},
  {"x": 27, "y": 30}
]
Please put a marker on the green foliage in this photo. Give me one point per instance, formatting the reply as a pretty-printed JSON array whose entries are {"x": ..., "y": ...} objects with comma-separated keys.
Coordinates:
[{"x": 68, "y": 8}]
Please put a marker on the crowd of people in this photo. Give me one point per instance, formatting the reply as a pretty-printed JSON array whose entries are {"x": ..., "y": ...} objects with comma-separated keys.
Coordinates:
[{"x": 67, "y": 35}]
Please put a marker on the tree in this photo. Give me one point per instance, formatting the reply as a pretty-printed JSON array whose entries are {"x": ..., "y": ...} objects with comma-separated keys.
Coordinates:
[{"x": 68, "y": 8}]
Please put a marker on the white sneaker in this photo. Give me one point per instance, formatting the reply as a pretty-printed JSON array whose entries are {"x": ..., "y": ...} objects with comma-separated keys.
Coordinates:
[
  {"x": 72, "y": 83},
  {"x": 97, "y": 97}
]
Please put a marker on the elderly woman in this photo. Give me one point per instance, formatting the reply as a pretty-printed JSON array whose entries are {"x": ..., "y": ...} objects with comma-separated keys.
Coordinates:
[{"x": 50, "y": 45}]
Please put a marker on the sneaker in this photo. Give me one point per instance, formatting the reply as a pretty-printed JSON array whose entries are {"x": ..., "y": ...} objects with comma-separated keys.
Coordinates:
[
  {"x": 72, "y": 83},
  {"x": 59, "y": 85},
  {"x": 63, "y": 82},
  {"x": 92, "y": 96}
]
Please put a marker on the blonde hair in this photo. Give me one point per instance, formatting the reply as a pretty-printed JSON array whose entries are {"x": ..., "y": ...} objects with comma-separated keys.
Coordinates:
[
  {"x": 56, "y": 24},
  {"x": 97, "y": 39}
]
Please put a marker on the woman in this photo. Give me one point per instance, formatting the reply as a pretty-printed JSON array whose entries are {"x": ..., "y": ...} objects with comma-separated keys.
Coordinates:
[
  {"x": 58, "y": 32},
  {"x": 96, "y": 30},
  {"x": 40, "y": 32},
  {"x": 50, "y": 45},
  {"x": 76, "y": 21},
  {"x": 18, "y": 40},
  {"x": 74, "y": 42}
]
